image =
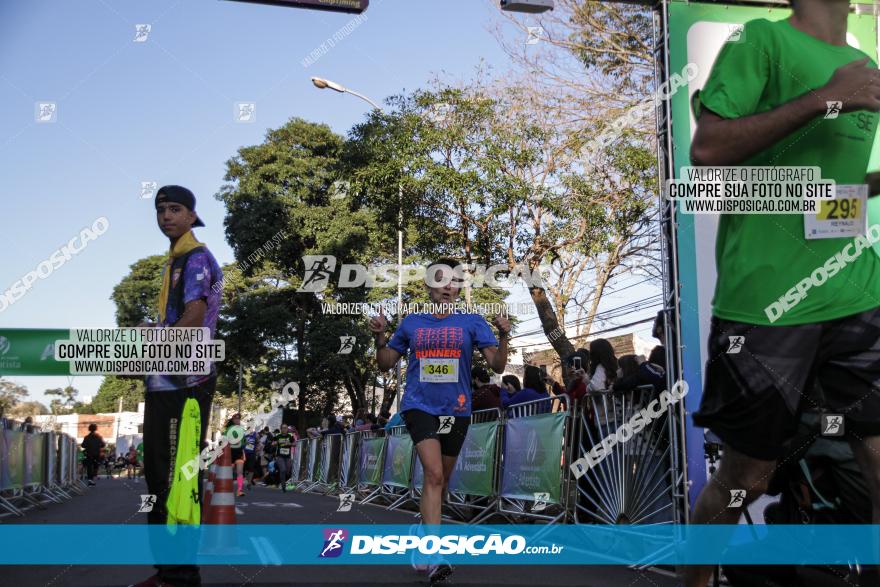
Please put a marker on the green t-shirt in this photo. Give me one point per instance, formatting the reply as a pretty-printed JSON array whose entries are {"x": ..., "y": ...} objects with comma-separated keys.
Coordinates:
[{"x": 760, "y": 257}]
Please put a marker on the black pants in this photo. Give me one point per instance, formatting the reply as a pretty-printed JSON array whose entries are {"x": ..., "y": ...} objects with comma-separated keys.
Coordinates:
[
  {"x": 162, "y": 411},
  {"x": 91, "y": 467}
]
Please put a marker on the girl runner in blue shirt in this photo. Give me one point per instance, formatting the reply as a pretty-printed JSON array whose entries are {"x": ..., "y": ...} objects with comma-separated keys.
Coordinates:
[{"x": 436, "y": 406}]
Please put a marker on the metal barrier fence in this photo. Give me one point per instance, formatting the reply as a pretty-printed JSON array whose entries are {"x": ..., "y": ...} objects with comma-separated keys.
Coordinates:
[
  {"x": 515, "y": 464},
  {"x": 537, "y": 450},
  {"x": 634, "y": 480},
  {"x": 472, "y": 493},
  {"x": 371, "y": 457},
  {"x": 398, "y": 467},
  {"x": 36, "y": 468}
]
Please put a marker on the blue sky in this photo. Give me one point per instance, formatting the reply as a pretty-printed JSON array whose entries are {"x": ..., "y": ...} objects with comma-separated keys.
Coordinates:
[{"x": 163, "y": 110}]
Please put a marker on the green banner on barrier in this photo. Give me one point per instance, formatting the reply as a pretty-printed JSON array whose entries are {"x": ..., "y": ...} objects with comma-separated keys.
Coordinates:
[
  {"x": 31, "y": 351},
  {"x": 533, "y": 457},
  {"x": 319, "y": 456},
  {"x": 371, "y": 460},
  {"x": 398, "y": 461},
  {"x": 476, "y": 462},
  {"x": 15, "y": 452},
  {"x": 35, "y": 459}
]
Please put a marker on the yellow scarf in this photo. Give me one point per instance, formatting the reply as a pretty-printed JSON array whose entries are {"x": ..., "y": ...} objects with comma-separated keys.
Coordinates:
[{"x": 184, "y": 244}]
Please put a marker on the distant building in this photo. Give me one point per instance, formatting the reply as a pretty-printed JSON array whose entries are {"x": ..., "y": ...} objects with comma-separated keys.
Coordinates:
[{"x": 110, "y": 425}]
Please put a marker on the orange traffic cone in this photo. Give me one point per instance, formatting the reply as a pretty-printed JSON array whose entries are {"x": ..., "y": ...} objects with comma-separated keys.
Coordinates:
[
  {"x": 221, "y": 511},
  {"x": 208, "y": 492}
]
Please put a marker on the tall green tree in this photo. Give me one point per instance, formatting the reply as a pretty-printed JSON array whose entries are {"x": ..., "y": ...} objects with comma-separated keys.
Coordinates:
[
  {"x": 290, "y": 184},
  {"x": 10, "y": 395},
  {"x": 24, "y": 409},
  {"x": 137, "y": 295},
  {"x": 112, "y": 388},
  {"x": 65, "y": 402}
]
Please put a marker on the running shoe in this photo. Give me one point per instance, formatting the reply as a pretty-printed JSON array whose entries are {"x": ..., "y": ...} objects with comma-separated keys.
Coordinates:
[
  {"x": 92, "y": 483},
  {"x": 418, "y": 560},
  {"x": 240, "y": 494},
  {"x": 439, "y": 572}
]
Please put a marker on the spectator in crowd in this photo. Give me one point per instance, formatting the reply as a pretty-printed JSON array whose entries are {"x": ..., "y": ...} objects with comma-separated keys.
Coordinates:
[
  {"x": 657, "y": 331},
  {"x": 658, "y": 356},
  {"x": 534, "y": 389},
  {"x": 651, "y": 372},
  {"x": 314, "y": 432},
  {"x": 334, "y": 426},
  {"x": 396, "y": 420},
  {"x": 577, "y": 364},
  {"x": 93, "y": 444},
  {"x": 485, "y": 395},
  {"x": 603, "y": 365},
  {"x": 628, "y": 365},
  {"x": 553, "y": 386},
  {"x": 368, "y": 422},
  {"x": 28, "y": 424},
  {"x": 131, "y": 461}
]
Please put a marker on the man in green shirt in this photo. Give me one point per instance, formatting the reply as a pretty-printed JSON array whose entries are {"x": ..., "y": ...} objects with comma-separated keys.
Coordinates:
[{"x": 802, "y": 302}]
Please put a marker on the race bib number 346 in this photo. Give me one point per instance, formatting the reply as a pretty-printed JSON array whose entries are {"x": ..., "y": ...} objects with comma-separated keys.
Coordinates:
[{"x": 438, "y": 371}]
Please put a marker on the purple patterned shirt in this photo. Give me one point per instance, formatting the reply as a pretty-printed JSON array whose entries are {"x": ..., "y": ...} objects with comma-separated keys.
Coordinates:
[{"x": 200, "y": 275}]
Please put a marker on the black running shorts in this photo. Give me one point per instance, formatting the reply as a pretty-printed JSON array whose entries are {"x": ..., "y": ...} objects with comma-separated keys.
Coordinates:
[
  {"x": 753, "y": 396},
  {"x": 450, "y": 432}
]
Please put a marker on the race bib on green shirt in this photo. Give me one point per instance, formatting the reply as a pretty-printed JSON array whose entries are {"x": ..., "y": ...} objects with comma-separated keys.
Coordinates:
[{"x": 844, "y": 216}]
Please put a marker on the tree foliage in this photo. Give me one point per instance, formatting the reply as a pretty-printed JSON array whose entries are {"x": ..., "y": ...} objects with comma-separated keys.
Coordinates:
[
  {"x": 10, "y": 395},
  {"x": 112, "y": 388},
  {"x": 137, "y": 295}
]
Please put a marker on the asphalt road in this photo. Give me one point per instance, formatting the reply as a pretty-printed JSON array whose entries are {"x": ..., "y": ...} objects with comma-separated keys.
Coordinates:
[{"x": 116, "y": 501}]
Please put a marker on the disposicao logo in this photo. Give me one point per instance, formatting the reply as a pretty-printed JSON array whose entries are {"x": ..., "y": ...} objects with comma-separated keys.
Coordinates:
[{"x": 334, "y": 539}]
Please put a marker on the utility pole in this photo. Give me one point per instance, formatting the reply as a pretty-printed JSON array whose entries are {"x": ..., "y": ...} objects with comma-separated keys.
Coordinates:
[
  {"x": 239, "y": 388},
  {"x": 118, "y": 423}
]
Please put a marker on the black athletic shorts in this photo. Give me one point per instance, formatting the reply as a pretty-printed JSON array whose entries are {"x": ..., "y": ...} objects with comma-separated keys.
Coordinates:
[
  {"x": 753, "y": 396},
  {"x": 237, "y": 454},
  {"x": 422, "y": 425},
  {"x": 250, "y": 462}
]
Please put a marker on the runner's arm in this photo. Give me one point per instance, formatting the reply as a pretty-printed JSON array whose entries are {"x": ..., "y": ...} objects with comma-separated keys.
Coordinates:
[
  {"x": 496, "y": 356},
  {"x": 193, "y": 315},
  {"x": 386, "y": 357},
  {"x": 730, "y": 141}
]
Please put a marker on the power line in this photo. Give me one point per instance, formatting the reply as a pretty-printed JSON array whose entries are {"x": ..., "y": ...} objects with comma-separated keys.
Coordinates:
[
  {"x": 645, "y": 321},
  {"x": 606, "y": 293},
  {"x": 609, "y": 314}
]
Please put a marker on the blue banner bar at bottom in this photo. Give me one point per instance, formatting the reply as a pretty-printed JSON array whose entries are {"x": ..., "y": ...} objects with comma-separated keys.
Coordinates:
[{"x": 458, "y": 544}]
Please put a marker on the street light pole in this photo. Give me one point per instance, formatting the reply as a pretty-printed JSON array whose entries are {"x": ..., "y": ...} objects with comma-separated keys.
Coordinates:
[
  {"x": 325, "y": 84},
  {"x": 399, "y": 279}
]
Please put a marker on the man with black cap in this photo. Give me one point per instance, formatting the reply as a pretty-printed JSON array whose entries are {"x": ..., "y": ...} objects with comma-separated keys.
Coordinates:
[{"x": 189, "y": 299}]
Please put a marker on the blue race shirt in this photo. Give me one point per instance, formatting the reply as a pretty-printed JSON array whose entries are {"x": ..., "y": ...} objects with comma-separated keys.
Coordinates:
[{"x": 439, "y": 350}]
